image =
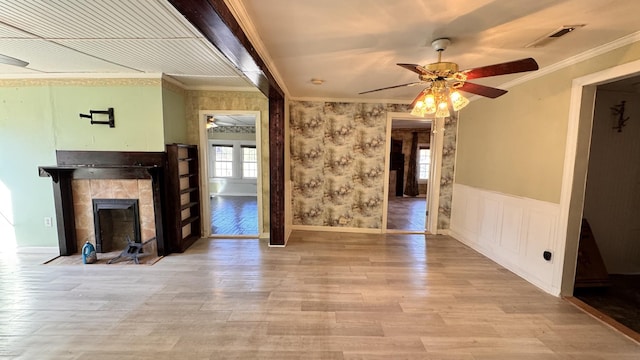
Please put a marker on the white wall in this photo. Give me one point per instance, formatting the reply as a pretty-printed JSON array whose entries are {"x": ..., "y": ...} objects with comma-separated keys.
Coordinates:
[
  {"x": 612, "y": 197},
  {"x": 512, "y": 231}
]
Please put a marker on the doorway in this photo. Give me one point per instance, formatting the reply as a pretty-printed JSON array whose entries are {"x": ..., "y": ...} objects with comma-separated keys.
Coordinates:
[
  {"x": 572, "y": 197},
  {"x": 406, "y": 208},
  {"x": 231, "y": 173},
  {"x": 608, "y": 267}
]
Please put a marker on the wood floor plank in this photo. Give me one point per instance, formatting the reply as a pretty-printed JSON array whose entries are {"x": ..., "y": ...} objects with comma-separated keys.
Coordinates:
[{"x": 324, "y": 296}]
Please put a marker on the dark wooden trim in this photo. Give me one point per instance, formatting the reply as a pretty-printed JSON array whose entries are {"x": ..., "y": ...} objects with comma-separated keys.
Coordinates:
[
  {"x": 65, "y": 218},
  {"x": 276, "y": 168},
  {"x": 216, "y": 22},
  {"x": 159, "y": 203},
  {"x": 98, "y": 172},
  {"x": 110, "y": 158}
]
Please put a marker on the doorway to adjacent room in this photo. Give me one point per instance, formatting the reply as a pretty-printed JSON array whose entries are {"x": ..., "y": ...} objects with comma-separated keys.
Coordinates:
[
  {"x": 409, "y": 169},
  {"x": 233, "y": 172}
]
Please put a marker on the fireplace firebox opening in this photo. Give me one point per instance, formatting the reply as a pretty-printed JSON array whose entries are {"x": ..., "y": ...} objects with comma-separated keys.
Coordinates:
[{"x": 115, "y": 220}]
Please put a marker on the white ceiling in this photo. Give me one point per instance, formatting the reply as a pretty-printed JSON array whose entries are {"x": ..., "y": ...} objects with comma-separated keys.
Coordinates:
[
  {"x": 109, "y": 36},
  {"x": 234, "y": 119},
  {"x": 352, "y": 45}
]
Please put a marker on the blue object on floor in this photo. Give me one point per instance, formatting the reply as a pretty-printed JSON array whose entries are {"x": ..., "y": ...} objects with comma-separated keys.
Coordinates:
[{"x": 89, "y": 253}]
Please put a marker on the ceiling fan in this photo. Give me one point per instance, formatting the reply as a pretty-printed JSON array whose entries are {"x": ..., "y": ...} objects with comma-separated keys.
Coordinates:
[
  {"x": 443, "y": 80},
  {"x": 4, "y": 59}
]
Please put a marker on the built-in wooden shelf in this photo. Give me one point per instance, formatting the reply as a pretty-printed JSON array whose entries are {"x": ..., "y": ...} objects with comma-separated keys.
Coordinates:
[{"x": 183, "y": 225}]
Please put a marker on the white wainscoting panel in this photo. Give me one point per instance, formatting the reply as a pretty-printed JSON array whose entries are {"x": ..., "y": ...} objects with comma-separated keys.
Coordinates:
[{"x": 512, "y": 231}]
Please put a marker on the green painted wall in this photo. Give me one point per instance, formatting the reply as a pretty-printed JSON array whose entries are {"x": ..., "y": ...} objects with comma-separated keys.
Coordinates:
[
  {"x": 516, "y": 144},
  {"x": 38, "y": 117},
  {"x": 26, "y": 141},
  {"x": 138, "y": 118},
  {"x": 174, "y": 114}
]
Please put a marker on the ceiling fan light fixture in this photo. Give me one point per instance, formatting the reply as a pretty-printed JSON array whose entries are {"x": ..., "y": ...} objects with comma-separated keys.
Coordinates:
[
  {"x": 458, "y": 101},
  {"x": 443, "y": 109},
  {"x": 425, "y": 104},
  {"x": 436, "y": 101}
]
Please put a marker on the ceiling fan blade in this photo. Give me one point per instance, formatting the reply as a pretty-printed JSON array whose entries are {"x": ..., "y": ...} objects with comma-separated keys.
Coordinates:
[
  {"x": 4, "y": 59},
  {"x": 413, "y": 103},
  {"x": 512, "y": 67},
  {"x": 391, "y": 87},
  {"x": 418, "y": 69},
  {"x": 482, "y": 90}
]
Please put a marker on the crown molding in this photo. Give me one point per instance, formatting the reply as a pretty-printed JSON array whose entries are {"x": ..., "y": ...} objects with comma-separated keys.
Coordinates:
[
  {"x": 351, "y": 100},
  {"x": 591, "y": 53},
  {"x": 222, "y": 88},
  {"x": 83, "y": 76}
]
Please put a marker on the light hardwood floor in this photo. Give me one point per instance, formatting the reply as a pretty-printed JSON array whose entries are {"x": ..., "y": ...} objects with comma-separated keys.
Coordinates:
[
  {"x": 407, "y": 213},
  {"x": 234, "y": 215},
  {"x": 324, "y": 296}
]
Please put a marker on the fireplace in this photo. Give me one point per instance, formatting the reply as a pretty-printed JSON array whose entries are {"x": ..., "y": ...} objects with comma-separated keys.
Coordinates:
[
  {"x": 117, "y": 180},
  {"x": 116, "y": 222}
]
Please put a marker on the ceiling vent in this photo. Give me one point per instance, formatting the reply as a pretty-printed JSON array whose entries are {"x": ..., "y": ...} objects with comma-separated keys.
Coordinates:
[{"x": 554, "y": 35}]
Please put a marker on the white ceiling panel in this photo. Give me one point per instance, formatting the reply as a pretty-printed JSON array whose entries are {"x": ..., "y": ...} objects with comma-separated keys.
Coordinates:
[
  {"x": 222, "y": 82},
  {"x": 47, "y": 57},
  {"x": 176, "y": 56},
  {"x": 83, "y": 19},
  {"x": 7, "y": 31},
  {"x": 110, "y": 36}
]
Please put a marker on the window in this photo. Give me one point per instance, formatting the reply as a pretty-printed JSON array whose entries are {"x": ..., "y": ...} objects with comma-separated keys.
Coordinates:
[
  {"x": 424, "y": 162},
  {"x": 233, "y": 160},
  {"x": 249, "y": 162},
  {"x": 223, "y": 161}
]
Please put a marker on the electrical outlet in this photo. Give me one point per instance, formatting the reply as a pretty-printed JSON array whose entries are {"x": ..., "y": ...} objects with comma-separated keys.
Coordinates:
[{"x": 48, "y": 222}]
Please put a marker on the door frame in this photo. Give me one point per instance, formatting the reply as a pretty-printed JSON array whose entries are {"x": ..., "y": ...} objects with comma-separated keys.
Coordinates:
[
  {"x": 576, "y": 162},
  {"x": 433, "y": 187},
  {"x": 204, "y": 168}
]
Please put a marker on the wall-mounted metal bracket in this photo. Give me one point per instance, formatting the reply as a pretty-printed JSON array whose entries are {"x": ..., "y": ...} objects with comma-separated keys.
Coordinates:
[{"x": 111, "y": 122}]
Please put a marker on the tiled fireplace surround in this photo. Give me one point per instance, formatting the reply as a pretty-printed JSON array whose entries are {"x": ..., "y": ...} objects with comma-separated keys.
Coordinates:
[
  {"x": 84, "y": 191},
  {"x": 81, "y": 176}
]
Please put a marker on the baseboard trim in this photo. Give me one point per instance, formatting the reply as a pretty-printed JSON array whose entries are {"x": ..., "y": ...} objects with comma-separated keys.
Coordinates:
[{"x": 336, "y": 229}]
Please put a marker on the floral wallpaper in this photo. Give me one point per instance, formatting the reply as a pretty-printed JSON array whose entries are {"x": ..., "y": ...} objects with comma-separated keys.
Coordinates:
[
  {"x": 448, "y": 167},
  {"x": 337, "y": 163},
  {"x": 232, "y": 130}
]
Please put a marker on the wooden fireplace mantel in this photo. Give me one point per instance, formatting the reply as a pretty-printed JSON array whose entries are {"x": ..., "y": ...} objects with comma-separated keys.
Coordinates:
[
  {"x": 102, "y": 165},
  {"x": 98, "y": 172}
]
